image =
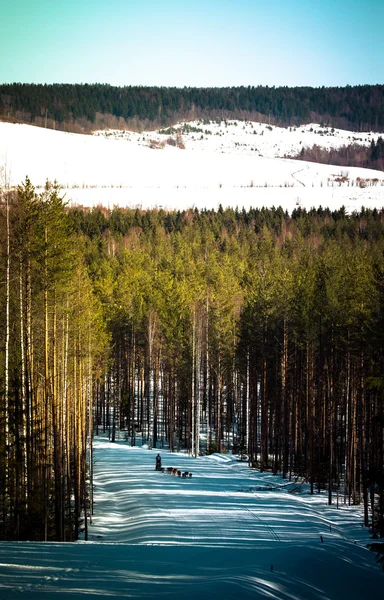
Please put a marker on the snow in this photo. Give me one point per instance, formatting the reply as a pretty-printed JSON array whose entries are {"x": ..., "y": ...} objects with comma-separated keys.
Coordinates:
[
  {"x": 236, "y": 164},
  {"x": 247, "y": 138},
  {"x": 229, "y": 531}
]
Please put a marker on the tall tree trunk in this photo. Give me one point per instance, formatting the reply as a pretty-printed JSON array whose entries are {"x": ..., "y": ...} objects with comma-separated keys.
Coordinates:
[
  {"x": 23, "y": 391},
  {"x": 247, "y": 411},
  {"x": 198, "y": 384},
  {"x": 363, "y": 448},
  {"x": 6, "y": 369},
  {"x": 46, "y": 395},
  {"x": 264, "y": 408},
  {"x": 284, "y": 398},
  {"x": 193, "y": 383}
]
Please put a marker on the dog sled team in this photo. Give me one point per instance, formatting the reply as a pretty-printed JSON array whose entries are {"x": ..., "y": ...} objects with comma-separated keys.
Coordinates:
[{"x": 171, "y": 470}]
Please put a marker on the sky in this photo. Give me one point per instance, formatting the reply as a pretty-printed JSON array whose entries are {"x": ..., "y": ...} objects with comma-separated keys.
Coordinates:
[{"x": 204, "y": 43}]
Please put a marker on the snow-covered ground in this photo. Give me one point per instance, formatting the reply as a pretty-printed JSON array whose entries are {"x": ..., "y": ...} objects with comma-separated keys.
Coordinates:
[
  {"x": 227, "y": 532},
  {"x": 232, "y": 164},
  {"x": 247, "y": 137}
]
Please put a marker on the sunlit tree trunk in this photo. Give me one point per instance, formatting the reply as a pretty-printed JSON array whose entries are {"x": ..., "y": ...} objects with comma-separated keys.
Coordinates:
[
  {"x": 151, "y": 332},
  {"x": 23, "y": 392},
  {"x": 47, "y": 453},
  {"x": 6, "y": 369},
  {"x": 65, "y": 417}
]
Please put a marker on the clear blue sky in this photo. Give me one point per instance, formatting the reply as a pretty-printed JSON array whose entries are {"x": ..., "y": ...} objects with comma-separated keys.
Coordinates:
[{"x": 192, "y": 43}]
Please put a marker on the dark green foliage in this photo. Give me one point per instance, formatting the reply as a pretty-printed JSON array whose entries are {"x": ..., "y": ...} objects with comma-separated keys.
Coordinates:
[
  {"x": 357, "y": 107},
  {"x": 255, "y": 324},
  {"x": 296, "y": 299}
]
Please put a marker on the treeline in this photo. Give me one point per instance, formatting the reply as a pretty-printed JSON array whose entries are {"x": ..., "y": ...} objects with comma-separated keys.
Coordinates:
[
  {"x": 86, "y": 107},
  {"x": 51, "y": 343},
  {"x": 251, "y": 330},
  {"x": 353, "y": 155}
]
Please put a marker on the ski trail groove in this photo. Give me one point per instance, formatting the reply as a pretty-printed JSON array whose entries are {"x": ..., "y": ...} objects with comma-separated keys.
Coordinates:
[{"x": 299, "y": 171}]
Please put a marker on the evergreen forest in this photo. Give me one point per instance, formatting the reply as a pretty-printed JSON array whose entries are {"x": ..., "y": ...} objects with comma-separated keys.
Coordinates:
[
  {"x": 86, "y": 107},
  {"x": 255, "y": 331}
]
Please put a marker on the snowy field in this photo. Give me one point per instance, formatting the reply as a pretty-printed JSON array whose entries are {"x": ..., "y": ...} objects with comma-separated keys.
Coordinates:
[
  {"x": 233, "y": 164},
  {"x": 227, "y": 532}
]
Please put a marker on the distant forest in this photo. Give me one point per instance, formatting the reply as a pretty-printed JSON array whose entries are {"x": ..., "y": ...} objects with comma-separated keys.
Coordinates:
[{"x": 85, "y": 107}]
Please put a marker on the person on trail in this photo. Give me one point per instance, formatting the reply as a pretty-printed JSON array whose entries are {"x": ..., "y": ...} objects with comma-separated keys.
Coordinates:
[{"x": 158, "y": 462}]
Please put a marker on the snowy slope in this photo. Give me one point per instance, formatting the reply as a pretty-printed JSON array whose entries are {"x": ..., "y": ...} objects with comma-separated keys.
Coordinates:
[
  {"x": 247, "y": 137},
  {"x": 227, "y": 532},
  {"x": 235, "y": 164}
]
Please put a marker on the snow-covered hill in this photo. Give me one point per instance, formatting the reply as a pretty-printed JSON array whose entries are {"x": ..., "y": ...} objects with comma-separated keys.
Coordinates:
[
  {"x": 246, "y": 137},
  {"x": 227, "y": 532},
  {"x": 230, "y": 163}
]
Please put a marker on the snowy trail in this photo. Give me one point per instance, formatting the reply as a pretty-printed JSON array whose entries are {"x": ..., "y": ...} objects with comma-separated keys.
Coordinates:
[
  {"x": 173, "y": 510},
  {"x": 140, "y": 505},
  {"x": 228, "y": 531}
]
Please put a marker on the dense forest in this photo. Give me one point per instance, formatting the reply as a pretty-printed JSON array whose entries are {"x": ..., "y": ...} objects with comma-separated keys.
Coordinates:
[
  {"x": 52, "y": 341},
  {"x": 86, "y": 107},
  {"x": 254, "y": 331}
]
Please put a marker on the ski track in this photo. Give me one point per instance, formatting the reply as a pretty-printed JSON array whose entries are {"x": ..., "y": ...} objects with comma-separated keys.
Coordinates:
[{"x": 299, "y": 171}]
